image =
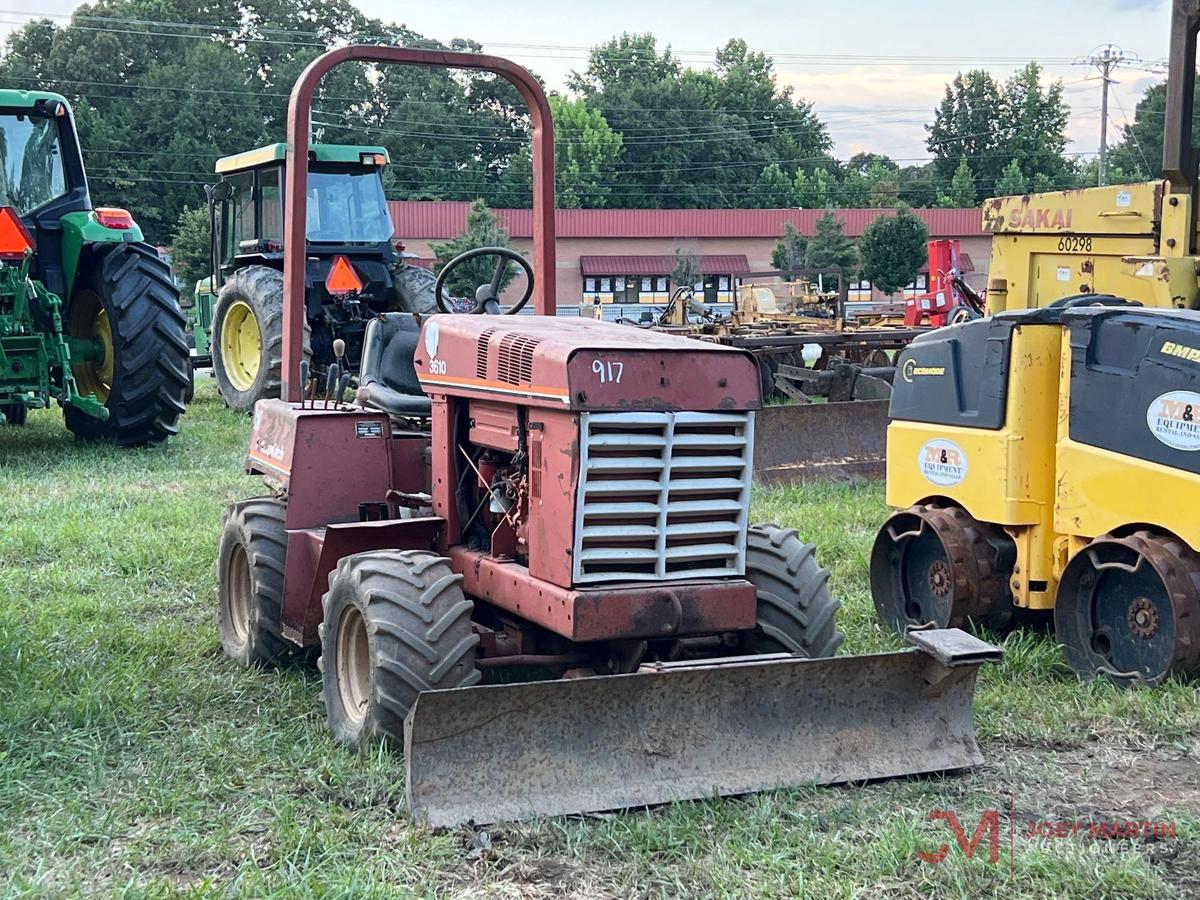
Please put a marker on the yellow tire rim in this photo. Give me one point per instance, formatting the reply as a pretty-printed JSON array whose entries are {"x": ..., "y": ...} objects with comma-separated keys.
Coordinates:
[
  {"x": 241, "y": 345},
  {"x": 89, "y": 319}
]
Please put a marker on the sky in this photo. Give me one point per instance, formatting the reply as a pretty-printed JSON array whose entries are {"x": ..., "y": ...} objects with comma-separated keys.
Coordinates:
[{"x": 874, "y": 69}]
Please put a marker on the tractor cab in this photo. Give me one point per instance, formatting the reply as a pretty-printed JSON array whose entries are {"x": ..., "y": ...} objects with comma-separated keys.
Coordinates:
[
  {"x": 41, "y": 172},
  {"x": 72, "y": 280},
  {"x": 347, "y": 210},
  {"x": 353, "y": 271}
]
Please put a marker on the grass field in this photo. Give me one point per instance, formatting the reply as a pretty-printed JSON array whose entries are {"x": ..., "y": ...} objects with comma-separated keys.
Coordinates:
[{"x": 134, "y": 759}]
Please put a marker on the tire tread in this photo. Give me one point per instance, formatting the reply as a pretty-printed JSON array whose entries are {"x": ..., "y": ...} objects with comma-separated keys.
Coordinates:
[
  {"x": 420, "y": 627},
  {"x": 796, "y": 612},
  {"x": 152, "y": 361}
]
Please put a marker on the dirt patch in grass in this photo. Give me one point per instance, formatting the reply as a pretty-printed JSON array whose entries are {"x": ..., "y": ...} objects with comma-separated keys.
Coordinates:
[
  {"x": 505, "y": 875},
  {"x": 1139, "y": 801},
  {"x": 1154, "y": 785},
  {"x": 1107, "y": 780}
]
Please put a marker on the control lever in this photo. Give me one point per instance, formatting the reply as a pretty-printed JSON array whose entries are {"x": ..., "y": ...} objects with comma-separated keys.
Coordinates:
[
  {"x": 303, "y": 381},
  {"x": 339, "y": 375},
  {"x": 343, "y": 383},
  {"x": 331, "y": 380}
]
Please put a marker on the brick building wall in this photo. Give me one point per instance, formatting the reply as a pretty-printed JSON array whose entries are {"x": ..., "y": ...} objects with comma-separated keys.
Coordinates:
[{"x": 630, "y": 237}]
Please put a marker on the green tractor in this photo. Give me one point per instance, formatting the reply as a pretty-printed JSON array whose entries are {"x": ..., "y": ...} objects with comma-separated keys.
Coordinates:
[
  {"x": 354, "y": 270},
  {"x": 89, "y": 313}
]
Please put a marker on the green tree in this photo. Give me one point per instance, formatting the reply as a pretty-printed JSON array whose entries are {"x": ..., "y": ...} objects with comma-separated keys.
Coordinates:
[
  {"x": 1035, "y": 123},
  {"x": 862, "y": 163},
  {"x": 156, "y": 106},
  {"x": 1137, "y": 156},
  {"x": 1012, "y": 181},
  {"x": 884, "y": 190},
  {"x": 587, "y": 158},
  {"x": 1042, "y": 183},
  {"x": 773, "y": 191},
  {"x": 869, "y": 179},
  {"x": 190, "y": 247},
  {"x": 990, "y": 125},
  {"x": 687, "y": 269},
  {"x": 917, "y": 187},
  {"x": 1088, "y": 175},
  {"x": 696, "y": 138},
  {"x": 792, "y": 250},
  {"x": 483, "y": 230},
  {"x": 830, "y": 248},
  {"x": 892, "y": 248},
  {"x": 967, "y": 124},
  {"x": 819, "y": 190},
  {"x": 962, "y": 188}
]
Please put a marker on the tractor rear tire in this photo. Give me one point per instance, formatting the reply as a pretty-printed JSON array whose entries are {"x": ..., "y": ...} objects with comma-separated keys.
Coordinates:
[
  {"x": 15, "y": 414},
  {"x": 131, "y": 305},
  {"x": 413, "y": 287},
  {"x": 250, "y": 566},
  {"x": 247, "y": 337},
  {"x": 396, "y": 624},
  {"x": 796, "y": 612},
  {"x": 767, "y": 367}
]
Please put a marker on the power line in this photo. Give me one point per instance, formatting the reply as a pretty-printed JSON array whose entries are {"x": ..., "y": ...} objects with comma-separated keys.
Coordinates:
[
  {"x": 239, "y": 33},
  {"x": 1133, "y": 134},
  {"x": 1106, "y": 59},
  {"x": 665, "y": 135}
]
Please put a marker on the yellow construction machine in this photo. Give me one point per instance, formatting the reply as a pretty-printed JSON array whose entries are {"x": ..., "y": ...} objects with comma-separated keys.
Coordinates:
[
  {"x": 1047, "y": 458},
  {"x": 1137, "y": 241}
]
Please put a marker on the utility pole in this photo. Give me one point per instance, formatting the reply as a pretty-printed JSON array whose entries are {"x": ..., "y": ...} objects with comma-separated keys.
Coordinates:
[{"x": 1106, "y": 58}]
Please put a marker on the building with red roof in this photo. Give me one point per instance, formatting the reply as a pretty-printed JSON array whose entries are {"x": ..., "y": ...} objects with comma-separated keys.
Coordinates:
[{"x": 626, "y": 256}]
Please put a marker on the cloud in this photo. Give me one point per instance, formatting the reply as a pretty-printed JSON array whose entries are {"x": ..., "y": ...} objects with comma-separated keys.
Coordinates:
[
  {"x": 884, "y": 108},
  {"x": 879, "y": 108}
]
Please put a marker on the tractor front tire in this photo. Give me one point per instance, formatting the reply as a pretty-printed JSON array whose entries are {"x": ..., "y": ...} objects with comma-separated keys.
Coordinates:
[
  {"x": 796, "y": 612},
  {"x": 250, "y": 566},
  {"x": 247, "y": 337},
  {"x": 128, "y": 304},
  {"x": 15, "y": 414},
  {"x": 396, "y": 623}
]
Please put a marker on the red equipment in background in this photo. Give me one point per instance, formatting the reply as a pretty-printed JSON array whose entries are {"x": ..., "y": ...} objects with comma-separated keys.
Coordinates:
[{"x": 948, "y": 291}]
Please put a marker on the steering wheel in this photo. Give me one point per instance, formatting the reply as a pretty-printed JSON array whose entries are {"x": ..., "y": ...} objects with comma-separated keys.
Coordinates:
[
  {"x": 487, "y": 296},
  {"x": 961, "y": 314}
]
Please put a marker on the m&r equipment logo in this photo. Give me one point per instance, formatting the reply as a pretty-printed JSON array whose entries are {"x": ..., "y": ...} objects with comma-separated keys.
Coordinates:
[
  {"x": 942, "y": 462},
  {"x": 1174, "y": 418}
]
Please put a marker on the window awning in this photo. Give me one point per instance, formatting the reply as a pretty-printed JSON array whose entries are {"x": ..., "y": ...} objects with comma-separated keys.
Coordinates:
[{"x": 721, "y": 264}]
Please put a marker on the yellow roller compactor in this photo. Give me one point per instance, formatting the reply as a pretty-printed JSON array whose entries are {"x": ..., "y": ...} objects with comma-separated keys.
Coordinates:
[{"x": 1044, "y": 460}]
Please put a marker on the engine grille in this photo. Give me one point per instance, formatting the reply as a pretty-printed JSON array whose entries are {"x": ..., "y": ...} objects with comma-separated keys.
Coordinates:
[
  {"x": 516, "y": 358},
  {"x": 662, "y": 495}
]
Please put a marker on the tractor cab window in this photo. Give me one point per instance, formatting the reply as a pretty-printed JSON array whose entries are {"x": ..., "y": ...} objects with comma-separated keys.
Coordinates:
[
  {"x": 272, "y": 204},
  {"x": 347, "y": 207},
  {"x": 239, "y": 214},
  {"x": 31, "y": 167}
]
